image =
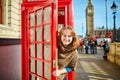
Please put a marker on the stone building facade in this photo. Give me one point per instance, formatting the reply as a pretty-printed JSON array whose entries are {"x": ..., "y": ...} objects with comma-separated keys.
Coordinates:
[{"x": 10, "y": 19}]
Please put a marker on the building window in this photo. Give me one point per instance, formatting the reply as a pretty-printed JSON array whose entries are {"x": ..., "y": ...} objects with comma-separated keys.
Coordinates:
[{"x": 4, "y": 12}]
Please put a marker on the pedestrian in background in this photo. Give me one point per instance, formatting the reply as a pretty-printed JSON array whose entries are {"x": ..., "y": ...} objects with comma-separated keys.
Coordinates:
[
  {"x": 92, "y": 45},
  {"x": 86, "y": 43},
  {"x": 107, "y": 48},
  {"x": 95, "y": 48},
  {"x": 80, "y": 47}
]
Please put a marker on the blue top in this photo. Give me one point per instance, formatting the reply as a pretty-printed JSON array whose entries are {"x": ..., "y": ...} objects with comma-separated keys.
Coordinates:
[{"x": 68, "y": 69}]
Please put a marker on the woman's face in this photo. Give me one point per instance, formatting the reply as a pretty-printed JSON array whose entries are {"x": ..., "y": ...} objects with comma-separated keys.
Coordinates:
[{"x": 66, "y": 37}]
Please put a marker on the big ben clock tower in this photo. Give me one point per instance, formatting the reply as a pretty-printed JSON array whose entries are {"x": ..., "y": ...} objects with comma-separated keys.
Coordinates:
[{"x": 89, "y": 19}]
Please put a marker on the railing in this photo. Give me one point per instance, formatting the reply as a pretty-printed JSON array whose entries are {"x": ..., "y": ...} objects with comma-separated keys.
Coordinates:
[{"x": 114, "y": 54}]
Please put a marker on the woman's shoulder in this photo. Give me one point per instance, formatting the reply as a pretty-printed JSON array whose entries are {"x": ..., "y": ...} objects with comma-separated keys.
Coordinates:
[{"x": 75, "y": 52}]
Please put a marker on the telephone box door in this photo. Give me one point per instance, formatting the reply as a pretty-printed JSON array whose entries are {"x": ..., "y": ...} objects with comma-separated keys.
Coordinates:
[{"x": 39, "y": 40}]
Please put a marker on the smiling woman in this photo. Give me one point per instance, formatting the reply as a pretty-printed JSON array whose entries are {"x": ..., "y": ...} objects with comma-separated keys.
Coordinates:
[{"x": 67, "y": 52}]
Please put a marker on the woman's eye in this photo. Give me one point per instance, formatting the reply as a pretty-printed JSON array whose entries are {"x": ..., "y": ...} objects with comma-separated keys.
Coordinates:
[
  {"x": 64, "y": 35},
  {"x": 69, "y": 36}
]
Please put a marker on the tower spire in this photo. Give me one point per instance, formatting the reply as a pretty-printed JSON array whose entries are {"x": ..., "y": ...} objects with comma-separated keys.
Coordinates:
[{"x": 89, "y": 1}]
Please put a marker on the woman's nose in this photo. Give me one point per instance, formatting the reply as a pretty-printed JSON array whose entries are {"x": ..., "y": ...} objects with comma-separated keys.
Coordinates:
[{"x": 67, "y": 37}]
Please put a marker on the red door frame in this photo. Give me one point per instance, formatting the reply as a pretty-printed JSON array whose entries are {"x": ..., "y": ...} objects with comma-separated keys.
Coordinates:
[{"x": 25, "y": 41}]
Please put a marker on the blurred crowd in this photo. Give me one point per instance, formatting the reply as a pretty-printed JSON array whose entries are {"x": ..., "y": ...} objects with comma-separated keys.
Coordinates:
[{"x": 89, "y": 46}]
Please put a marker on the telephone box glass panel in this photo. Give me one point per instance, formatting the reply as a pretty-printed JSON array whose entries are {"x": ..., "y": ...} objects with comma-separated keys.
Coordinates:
[
  {"x": 32, "y": 19},
  {"x": 60, "y": 26},
  {"x": 46, "y": 32},
  {"x": 39, "y": 78},
  {"x": 32, "y": 34},
  {"x": 39, "y": 51},
  {"x": 47, "y": 51},
  {"x": 39, "y": 17},
  {"x": 32, "y": 65},
  {"x": 39, "y": 33},
  {"x": 31, "y": 0},
  {"x": 47, "y": 70},
  {"x": 47, "y": 12},
  {"x": 32, "y": 50},
  {"x": 32, "y": 77},
  {"x": 39, "y": 68}
]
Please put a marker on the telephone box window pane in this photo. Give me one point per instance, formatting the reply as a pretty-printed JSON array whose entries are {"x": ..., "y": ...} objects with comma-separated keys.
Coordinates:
[
  {"x": 39, "y": 51},
  {"x": 32, "y": 77},
  {"x": 32, "y": 65},
  {"x": 60, "y": 26},
  {"x": 39, "y": 17},
  {"x": 39, "y": 33},
  {"x": 32, "y": 34},
  {"x": 39, "y": 79},
  {"x": 33, "y": 0},
  {"x": 32, "y": 19},
  {"x": 47, "y": 16},
  {"x": 32, "y": 50},
  {"x": 47, "y": 33},
  {"x": 47, "y": 70},
  {"x": 39, "y": 68},
  {"x": 47, "y": 51}
]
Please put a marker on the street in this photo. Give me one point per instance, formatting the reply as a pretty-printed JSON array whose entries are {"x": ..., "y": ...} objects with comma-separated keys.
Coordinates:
[{"x": 94, "y": 67}]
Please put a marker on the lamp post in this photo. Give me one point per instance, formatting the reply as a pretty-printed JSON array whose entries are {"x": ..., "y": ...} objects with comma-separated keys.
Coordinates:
[
  {"x": 82, "y": 29},
  {"x": 114, "y": 8},
  {"x": 106, "y": 17}
]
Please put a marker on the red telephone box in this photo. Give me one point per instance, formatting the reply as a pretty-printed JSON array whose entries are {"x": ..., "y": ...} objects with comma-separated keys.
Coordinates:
[{"x": 41, "y": 20}]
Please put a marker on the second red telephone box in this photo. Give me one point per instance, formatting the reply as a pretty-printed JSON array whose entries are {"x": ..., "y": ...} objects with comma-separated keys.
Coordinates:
[{"x": 41, "y": 20}]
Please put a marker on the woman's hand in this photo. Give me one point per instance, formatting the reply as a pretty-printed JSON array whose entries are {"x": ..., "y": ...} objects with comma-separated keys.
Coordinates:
[{"x": 58, "y": 72}]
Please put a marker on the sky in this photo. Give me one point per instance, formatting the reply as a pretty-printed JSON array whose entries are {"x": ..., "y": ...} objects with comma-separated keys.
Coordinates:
[{"x": 79, "y": 7}]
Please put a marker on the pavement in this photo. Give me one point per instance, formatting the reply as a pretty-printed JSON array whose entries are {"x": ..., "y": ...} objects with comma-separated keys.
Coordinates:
[{"x": 94, "y": 67}]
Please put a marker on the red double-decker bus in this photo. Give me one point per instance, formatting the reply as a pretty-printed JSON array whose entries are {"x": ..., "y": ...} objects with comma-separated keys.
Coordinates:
[{"x": 109, "y": 35}]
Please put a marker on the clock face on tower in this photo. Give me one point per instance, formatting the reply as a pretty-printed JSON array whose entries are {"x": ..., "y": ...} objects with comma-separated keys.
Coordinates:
[{"x": 89, "y": 11}]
